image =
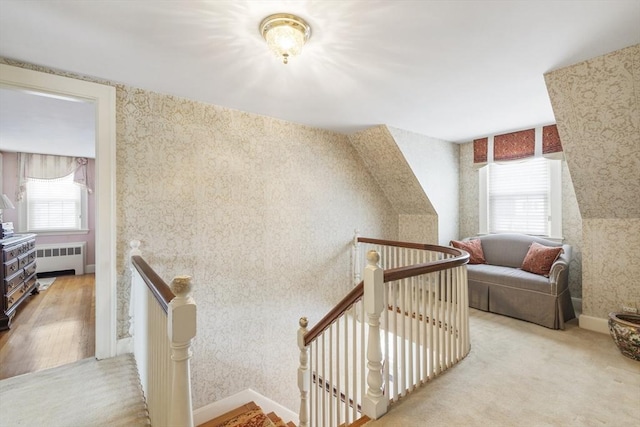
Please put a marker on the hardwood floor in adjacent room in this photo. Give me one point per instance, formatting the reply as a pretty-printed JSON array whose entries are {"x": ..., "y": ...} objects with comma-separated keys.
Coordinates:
[{"x": 52, "y": 328}]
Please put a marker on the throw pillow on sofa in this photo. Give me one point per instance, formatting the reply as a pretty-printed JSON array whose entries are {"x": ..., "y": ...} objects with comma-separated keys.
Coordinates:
[
  {"x": 540, "y": 258},
  {"x": 474, "y": 247}
]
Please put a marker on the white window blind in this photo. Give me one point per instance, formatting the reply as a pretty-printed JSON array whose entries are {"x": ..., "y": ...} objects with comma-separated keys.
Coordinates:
[
  {"x": 53, "y": 204},
  {"x": 519, "y": 197}
]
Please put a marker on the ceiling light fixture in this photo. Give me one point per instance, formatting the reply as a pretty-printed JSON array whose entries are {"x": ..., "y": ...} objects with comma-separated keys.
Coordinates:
[{"x": 285, "y": 34}]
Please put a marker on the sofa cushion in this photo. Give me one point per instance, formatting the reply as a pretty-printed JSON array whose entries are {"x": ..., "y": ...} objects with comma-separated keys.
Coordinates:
[
  {"x": 507, "y": 276},
  {"x": 539, "y": 259},
  {"x": 474, "y": 247}
]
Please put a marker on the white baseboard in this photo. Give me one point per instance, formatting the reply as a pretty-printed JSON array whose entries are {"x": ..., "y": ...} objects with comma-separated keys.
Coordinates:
[
  {"x": 89, "y": 269},
  {"x": 595, "y": 324},
  {"x": 124, "y": 346},
  {"x": 215, "y": 409}
]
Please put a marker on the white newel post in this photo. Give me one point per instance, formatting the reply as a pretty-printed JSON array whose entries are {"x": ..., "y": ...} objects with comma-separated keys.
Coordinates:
[
  {"x": 303, "y": 374},
  {"x": 374, "y": 403},
  {"x": 181, "y": 318}
]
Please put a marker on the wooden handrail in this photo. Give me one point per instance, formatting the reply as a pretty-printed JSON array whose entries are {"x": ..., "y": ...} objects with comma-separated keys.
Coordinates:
[
  {"x": 400, "y": 273},
  {"x": 160, "y": 290},
  {"x": 351, "y": 298},
  {"x": 390, "y": 275},
  {"x": 411, "y": 245}
]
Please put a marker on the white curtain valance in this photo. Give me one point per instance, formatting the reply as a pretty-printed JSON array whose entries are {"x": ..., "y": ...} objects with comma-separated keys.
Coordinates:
[{"x": 44, "y": 166}]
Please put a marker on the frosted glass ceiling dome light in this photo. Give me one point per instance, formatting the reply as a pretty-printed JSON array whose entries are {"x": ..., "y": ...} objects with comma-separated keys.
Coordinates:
[{"x": 285, "y": 34}]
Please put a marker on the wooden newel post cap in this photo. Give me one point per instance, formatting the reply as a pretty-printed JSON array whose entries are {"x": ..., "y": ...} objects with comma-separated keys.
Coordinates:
[
  {"x": 373, "y": 257},
  {"x": 181, "y": 286}
]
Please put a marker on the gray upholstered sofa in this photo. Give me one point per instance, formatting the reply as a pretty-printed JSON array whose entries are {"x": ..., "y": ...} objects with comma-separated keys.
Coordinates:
[{"x": 500, "y": 286}]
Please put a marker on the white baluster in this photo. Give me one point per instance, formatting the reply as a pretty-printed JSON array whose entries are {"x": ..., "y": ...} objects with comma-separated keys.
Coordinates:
[
  {"x": 181, "y": 330},
  {"x": 357, "y": 266},
  {"x": 135, "y": 250},
  {"x": 375, "y": 403},
  {"x": 303, "y": 373}
]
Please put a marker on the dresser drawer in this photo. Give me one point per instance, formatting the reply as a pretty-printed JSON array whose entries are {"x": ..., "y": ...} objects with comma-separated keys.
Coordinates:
[
  {"x": 32, "y": 256},
  {"x": 11, "y": 252},
  {"x": 30, "y": 269},
  {"x": 11, "y": 267},
  {"x": 13, "y": 282},
  {"x": 16, "y": 295},
  {"x": 30, "y": 282},
  {"x": 23, "y": 260}
]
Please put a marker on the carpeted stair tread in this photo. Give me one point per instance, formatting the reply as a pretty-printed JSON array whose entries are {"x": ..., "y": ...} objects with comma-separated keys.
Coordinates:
[
  {"x": 247, "y": 415},
  {"x": 276, "y": 420},
  {"x": 359, "y": 422},
  {"x": 86, "y": 393}
]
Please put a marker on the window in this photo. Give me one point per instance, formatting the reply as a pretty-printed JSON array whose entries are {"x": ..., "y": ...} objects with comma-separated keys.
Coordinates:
[
  {"x": 523, "y": 197},
  {"x": 55, "y": 205}
]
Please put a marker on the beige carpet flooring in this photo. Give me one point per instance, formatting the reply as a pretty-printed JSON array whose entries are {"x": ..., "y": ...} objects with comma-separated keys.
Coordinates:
[
  {"x": 87, "y": 393},
  {"x": 521, "y": 374}
]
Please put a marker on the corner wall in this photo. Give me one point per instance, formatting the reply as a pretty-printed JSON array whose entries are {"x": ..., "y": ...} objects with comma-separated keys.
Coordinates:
[
  {"x": 417, "y": 218},
  {"x": 435, "y": 164},
  {"x": 597, "y": 109},
  {"x": 260, "y": 212}
]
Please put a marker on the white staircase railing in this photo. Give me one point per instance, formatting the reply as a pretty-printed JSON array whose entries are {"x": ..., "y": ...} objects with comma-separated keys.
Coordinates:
[
  {"x": 396, "y": 330},
  {"x": 163, "y": 324}
]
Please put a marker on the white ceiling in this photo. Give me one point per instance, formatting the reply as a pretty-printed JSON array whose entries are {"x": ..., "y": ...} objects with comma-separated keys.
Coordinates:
[
  {"x": 453, "y": 70},
  {"x": 42, "y": 123}
]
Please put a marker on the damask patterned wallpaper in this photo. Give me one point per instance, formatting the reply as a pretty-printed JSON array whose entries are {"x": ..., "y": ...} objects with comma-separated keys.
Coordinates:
[
  {"x": 260, "y": 212},
  {"x": 597, "y": 109}
]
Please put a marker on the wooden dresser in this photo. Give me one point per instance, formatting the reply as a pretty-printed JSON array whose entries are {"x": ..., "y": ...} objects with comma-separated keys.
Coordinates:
[{"x": 18, "y": 274}]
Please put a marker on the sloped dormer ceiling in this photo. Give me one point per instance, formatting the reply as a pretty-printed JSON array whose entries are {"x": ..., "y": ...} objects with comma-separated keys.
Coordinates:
[
  {"x": 417, "y": 218},
  {"x": 597, "y": 108}
]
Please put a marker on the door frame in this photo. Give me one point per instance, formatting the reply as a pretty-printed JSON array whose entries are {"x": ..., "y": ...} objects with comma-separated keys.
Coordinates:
[{"x": 104, "y": 98}]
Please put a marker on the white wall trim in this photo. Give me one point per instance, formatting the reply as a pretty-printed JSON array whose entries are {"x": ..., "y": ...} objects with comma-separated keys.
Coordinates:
[
  {"x": 89, "y": 268},
  {"x": 595, "y": 324},
  {"x": 124, "y": 346},
  {"x": 215, "y": 409}
]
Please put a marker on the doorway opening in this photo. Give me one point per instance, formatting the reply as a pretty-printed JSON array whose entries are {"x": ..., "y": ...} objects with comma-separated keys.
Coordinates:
[{"x": 103, "y": 97}]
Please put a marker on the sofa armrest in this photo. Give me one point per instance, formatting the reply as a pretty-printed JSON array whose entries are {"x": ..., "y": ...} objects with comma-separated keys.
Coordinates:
[{"x": 558, "y": 280}]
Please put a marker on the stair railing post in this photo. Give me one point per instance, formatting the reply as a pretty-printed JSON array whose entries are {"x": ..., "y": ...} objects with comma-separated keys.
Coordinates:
[
  {"x": 134, "y": 251},
  {"x": 303, "y": 374},
  {"x": 357, "y": 267},
  {"x": 181, "y": 329},
  {"x": 374, "y": 404}
]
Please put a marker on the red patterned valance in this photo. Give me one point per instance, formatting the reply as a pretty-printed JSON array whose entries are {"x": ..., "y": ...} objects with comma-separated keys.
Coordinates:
[
  {"x": 518, "y": 145},
  {"x": 514, "y": 145},
  {"x": 480, "y": 150},
  {"x": 551, "y": 140}
]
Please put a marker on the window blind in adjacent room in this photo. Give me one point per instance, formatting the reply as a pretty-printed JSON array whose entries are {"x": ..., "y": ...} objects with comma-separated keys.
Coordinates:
[{"x": 53, "y": 204}]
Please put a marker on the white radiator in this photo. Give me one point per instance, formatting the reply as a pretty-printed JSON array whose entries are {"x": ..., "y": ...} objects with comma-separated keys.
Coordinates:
[{"x": 61, "y": 257}]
